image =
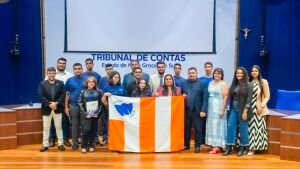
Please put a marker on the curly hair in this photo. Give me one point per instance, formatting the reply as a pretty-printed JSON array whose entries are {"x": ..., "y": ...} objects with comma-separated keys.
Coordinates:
[{"x": 242, "y": 83}]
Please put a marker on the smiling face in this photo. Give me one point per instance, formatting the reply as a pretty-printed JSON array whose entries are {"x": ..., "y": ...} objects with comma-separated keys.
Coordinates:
[
  {"x": 134, "y": 64},
  {"x": 255, "y": 73},
  {"x": 142, "y": 84},
  {"x": 61, "y": 65},
  {"x": 218, "y": 75},
  {"x": 51, "y": 75},
  {"x": 138, "y": 73},
  {"x": 91, "y": 83},
  {"x": 161, "y": 68},
  {"x": 116, "y": 79},
  {"x": 77, "y": 70},
  {"x": 192, "y": 74},
  {"x": 239, "y": 74},
  {"x": 169, "y": 80}
]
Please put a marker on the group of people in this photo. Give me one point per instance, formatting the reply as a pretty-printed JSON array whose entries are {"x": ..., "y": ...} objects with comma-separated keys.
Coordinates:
[{"x": 221, "y": 116}]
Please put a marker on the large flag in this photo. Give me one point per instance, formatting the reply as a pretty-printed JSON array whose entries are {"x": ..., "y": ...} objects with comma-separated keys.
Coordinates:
[{"x": 153, "y": 124}]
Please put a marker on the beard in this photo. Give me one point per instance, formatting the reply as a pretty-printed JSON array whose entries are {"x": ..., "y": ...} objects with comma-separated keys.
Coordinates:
[{"x": 61, "y": 69}]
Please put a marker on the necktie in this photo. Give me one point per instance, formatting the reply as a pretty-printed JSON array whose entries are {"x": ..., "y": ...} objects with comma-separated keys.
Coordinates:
[{"x": 161, "y": 80}]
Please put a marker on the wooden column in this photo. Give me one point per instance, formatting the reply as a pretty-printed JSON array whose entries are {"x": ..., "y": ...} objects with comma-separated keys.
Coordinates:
[{"x": 8, "y": 129}]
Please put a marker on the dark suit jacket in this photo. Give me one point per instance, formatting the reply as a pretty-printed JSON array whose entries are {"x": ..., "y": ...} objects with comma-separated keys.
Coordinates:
[
  {"x": 129, "y": 78},
  {"x": 44, "y": 93},
  {"x": 201, "y": 95}
]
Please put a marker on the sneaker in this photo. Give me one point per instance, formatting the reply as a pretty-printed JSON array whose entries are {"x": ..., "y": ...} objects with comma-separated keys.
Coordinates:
[
  {"x": 75, "y": 146},
  {"x": 91, "y": 149},
  {"x": 250, "y": 153},
  {"x": 83, "y": 150}
]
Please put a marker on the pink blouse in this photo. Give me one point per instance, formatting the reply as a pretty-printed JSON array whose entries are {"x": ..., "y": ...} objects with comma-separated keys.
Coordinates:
[{"x": 160, "y": 91}]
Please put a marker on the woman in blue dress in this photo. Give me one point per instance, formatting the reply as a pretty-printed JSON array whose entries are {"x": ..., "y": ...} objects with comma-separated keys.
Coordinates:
[{"x": 216, "y": 124}]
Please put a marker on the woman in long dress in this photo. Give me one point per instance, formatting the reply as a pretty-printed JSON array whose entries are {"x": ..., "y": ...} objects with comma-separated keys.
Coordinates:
[
  {"x": 258, "y": 137},
  {"x": 216, "y": 124}
]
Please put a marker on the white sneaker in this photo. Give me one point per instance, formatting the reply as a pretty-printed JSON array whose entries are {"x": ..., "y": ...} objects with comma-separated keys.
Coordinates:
[
  {"x": 250, "y": 153},
  {"x": 91, "y": 149},
  {"x": 83, "y": 150}
]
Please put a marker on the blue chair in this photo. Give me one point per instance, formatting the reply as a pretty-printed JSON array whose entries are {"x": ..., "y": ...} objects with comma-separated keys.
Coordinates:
[{"x": 288, "y": 100}]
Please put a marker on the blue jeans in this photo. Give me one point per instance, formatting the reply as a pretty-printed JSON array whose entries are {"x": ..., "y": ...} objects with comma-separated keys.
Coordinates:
[{"x": 233, "y": 121}]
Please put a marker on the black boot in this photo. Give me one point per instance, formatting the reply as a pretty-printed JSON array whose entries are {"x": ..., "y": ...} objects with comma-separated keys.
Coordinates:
[
  {"x": 240, "y": 151},
  {"x": 228, "y": 150}
]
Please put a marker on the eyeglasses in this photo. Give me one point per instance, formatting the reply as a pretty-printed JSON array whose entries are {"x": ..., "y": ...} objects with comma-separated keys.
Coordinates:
[{"x": 137, "y": 72}]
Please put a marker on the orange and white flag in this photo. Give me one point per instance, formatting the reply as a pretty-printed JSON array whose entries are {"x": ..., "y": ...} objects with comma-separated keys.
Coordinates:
[{"x": 153, "y": 124}]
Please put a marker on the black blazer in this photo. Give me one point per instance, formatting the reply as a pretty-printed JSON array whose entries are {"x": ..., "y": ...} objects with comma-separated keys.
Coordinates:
[
  {"x": 244, "y": 101},
  {"x": 45, "y": 96}
]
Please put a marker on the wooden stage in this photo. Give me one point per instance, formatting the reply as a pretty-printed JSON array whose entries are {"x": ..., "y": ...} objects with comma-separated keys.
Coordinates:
[
  {"x": 28, "y": 156},
  {"x": 21, "y": 135}
]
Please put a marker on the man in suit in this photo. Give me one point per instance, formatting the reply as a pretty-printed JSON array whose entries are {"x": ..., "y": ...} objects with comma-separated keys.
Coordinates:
[
  {"x": 196, "y": 97},
  {"x": 129, "y": 77},
  {"x": 63, "y": 75},
  {"x": 157, "y": 79},
  {"x": 52, "y": 94}
]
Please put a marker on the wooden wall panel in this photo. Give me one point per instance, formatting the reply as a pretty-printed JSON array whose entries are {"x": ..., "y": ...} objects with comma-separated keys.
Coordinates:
[
  {"x": 290, "y": 138},
  {"x": 8, "y": 143},
  {"x": 7, "y": 117},
  {"x": 30, "y": 126},
  {"x": 287, "y": 153},
  {"x": 8, "y": 130}
]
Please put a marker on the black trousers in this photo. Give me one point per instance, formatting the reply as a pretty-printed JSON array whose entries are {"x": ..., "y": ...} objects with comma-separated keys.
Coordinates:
[
  {"x": 89, "y": 128},
  {"x": 193, "y": 119}
]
